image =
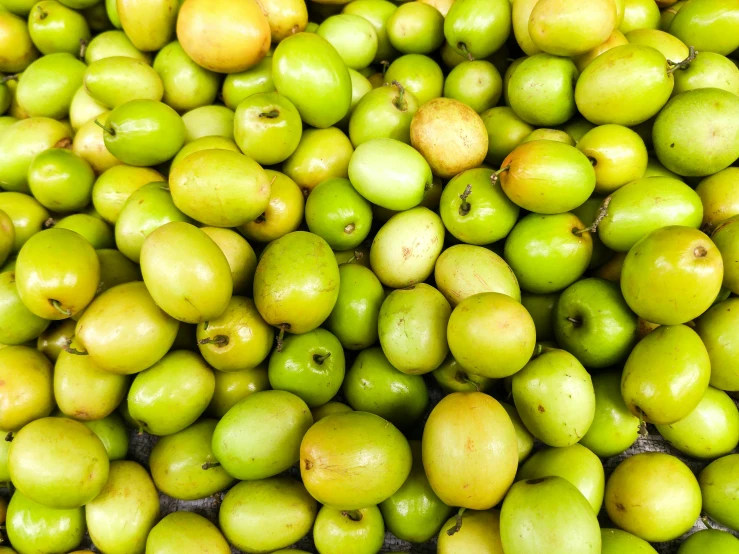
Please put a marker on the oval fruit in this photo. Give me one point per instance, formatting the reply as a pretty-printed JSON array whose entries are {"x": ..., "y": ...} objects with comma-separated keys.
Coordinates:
[
  {"x": 185, "y": 533},
  {"x": 717, "y": 489}
]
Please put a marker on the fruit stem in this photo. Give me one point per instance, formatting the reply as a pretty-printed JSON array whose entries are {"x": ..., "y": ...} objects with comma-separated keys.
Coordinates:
[
  {"x": 69, "y": 350},
  {"x": 104, "y": 128},
  {"x": 575, "y": 321},
  {"x": 283, "y": 327},
  {"x": 496, "y": 174},
  {"x": 358, "y": 255},
  {"x": 602, "y": 213},
  {"x": 319, "y": 359},
  {"x": 400, "y": 102},
  {"x": 58, "y": 306},
  {"x": 270, "y": 115},
  {"x": 458, "y": 524},
  {"x": 49, "y": 223},
  {"x": 9, "y": 437},
  {"x": 349, "y": 228},
  {"x": 463, "y": 47},
  {"x": 83, "y": 48},
  {"x": 42, "y": 13},
  {"x": 464, "y": 207},
  {"x": 684, "y": 64},
  {"x": 707, "y": 522},
  {"x": 13, "y": 77},
  {"x": 462, "y": 377},
  {"x": 220, "y": 340},
  {"x": 385, "y": 64},
  {"x": 642, "y": 424},
  {"x": 354, "y": 515},
  {"x": 208, "y": 465}
]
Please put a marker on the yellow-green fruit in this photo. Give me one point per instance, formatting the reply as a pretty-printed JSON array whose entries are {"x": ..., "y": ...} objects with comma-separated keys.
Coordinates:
[
  {"x": 524, "y": 437},
  {"x": 27, "y": 393},
  {"x": 113, "y": 43},
  {"x": 582, "y": 61},
  {"x": 233, "y": 386},
  {"x": 719, "y": 493},
  {"x": 18, "y": 324},
  {"x": 149, "y": 24},
  {"x": 186, "y": 85},
  {"x": 18, "y": 50},
  {"x": 479, "y": 533},
  {"x": 118, "y": 79},
  {"x": 671, "y": 47},
  {"x": 186, "y": 533},
  {"x": 114, "y": 186}
]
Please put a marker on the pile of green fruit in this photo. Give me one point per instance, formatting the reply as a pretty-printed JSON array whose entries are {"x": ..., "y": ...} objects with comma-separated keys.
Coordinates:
[{"x": 268, "y": 232}]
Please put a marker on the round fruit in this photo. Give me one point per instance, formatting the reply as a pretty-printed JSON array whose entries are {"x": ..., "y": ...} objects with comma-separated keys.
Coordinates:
[
  {"x": 337, "y": 213},
  {"x": 185, "y": 533},
  {"x": 359, "y": 531},
  {"x": 571, "y": 27}
]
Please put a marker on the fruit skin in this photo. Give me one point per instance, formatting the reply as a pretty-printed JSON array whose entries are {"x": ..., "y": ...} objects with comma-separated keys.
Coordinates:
[
  {"x": 176, "y": 463},
  {"x": 267, "y": 127},
  {"x": 615, "y": 541},
  {"x": 283, "y": 214},
  {"x": 719, "y": 196},
  {"x": 206, "y": 121},
  {"x": 113, "y": 433},
  {"x": 604, "y": 328},
  {"x": 115, "y": 186},
  {"x": 525, "y": 439},
  {"x": 54, "y": 28},
  {"x": 717, "y": 329},
  {"x": 113, "y": 43},
  {"x": 547, "y": 177},
  {"x": 18, "y": 49},
  {"x": 709, "y": 540},
  {"x": 79, "y": 469},
  {"x": 353, "y": 37},
  {"x": 548, "y": 515},
  {"x": 60, "y": 180},
  {"x": 108, "y": 339},
  {"x": 200, "y": 294},
  {"x": 614, "y": 427},
  {"x": 554, "y": 396},
  {"x": 377, "y": 12},
  {"x": 384, "y": 112},
  {"x": 234, "y": 386},
  {"x": 17, "y": 324},
  {"x": 726, "y": 239},
  {"x": 46, "y": 87},
  {"x": 602, "y": 95},
  {"x": 654, "y": 496},
  {"x": 477, "y": 29},
  {"x": 709, "y": 431},
  {"x": 149, "y": 24},
  {"x": 708, "y": 71},
  {"x": 359, "y": 531},
  {"x": 336, "y": 212},
  {"x": 170, "y": 395},
  {"x": 120, "y": 518},
  {"x": 299, "y": 297},
  {"x": 479, "y": 457},
  {"x": 35, "y": 528},
  {"x": 480, "y": 532},
  {"x": 361, "y": 441},
  {"x": 419, "y": 74},
  {"x": 115, "y": 80},
  {"x": 470, "y": 342},
  {"x": 706, "y": 25},
  {"x": 571, "y": 28},
  {"x": 330, "y": 79},
  {"x": 186, "y": 85},
  {"x": 685, "y": 268},
  {"x": 415, "y": 29},
  {"x": 718, "y": 491},
  {"x": 267, "y": 514},
  {"x": 185, "y": 533},
  {"x": 310, "y": 365},
  {"x": 28, "y": 393},
  {"x": 710, "y": 116}
]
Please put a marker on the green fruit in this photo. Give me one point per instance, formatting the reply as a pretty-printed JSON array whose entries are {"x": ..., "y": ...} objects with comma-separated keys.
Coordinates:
[
  {"x": 654, "y": 496},
  {"x": 186, "y": 85},
  {"x": 570, "y": 28},
  {"x": 239, "y": 86},
  {"x": 452, "y": 377},
  {"x": 115, "y": 80},
  {"x": 709, "y": 431},
  {"x": 138, "y": 321},
  {"x": 199, "y": 294},
  {"x": 353, "y": 37},
  {"x": 414, "y": 513},
  {"x": 79, "y": 469},
  {"x": 709, "y": 70},
  {"x": 321, "y": 154},
  {"x": 385, "y": 112},
  {"x": 475, "y": 83},
  {"x": 719, "y": 196},
  {"x": 710, "y": 116},
  {"x": 416, "y": 28},
  {"x": 55, "y": 28},
  {"x": 207, "y": 121},
  {"x": 170, "y": 395},
  {"x": 120, "y": 518},
  {"x": 20, "y": 144},
  {"x": 639, "y": 14},
  {"x": 576, "y": 464},
  {"x": 283, "y": 214},
  {"x": 144, "y": 132},
  {"x": 233, "y": 386},
  {"x": 469, "y": 450},
  {"x": 541, "y": 309},
  {"x": 719, "y": 493},
  {"x": 329, "y": 408},
  {"x": 17, "y": 46},
  {"x": 336, "y": 212},
  {"x": 60, "y": 180},
  {"x": 185, "y": 533},
  {"x": 18, "y": 324},
  {"x": 358, "y": 531},
  {"x": 89, "y": 144},
  {"x": 112, "y": 432},
  {"x": 555, "y": 398},
  {"x": 615, "y": 541},
  {"x": 419, "y": 74},
  {"x": 656, "y": 169},
  {"x": 115, "y": 269},
  {"x": 46, "y": 87},
  {"x": 92, "y": 228},
  {"x": 550, "y": 515},
  {"x": 203, "y": 143},
  {"x": 709, "y": 540},
  {"x": 593, "y": 322},
  {"x": 684, "y": 268},
  {"x": 405, "y": 248},
  {"x": 505, "y": 131},
  {"x": 377, "y": 12},
  {"x": 717, "y": 329},
  {"x": 32, "y": 527},
  {"x": 541, "y": 90},
  {"x": 113, "y": 43},
  {"x": 545, "y": 253},
  {"x": 28, "y": 393},
  {"x": 524, "y": 438},
  {"x": 477, "y": 29},
  {"x": 373, "y": 385},
  {"x": 354, "y": 317},
  {"x": 614, "y": 427},
  {"x": 326, "y": 98},
  {"x": 671, "y": 47},
  {"x": 150, "y": 24},
  {"x": 183, "y": 465},
  {"x": 353, "y": 460},
  {"x": 82, "y": 390},
  {"x": 625, "y": 85},
  {"x": 57, "y": 273},
  {"x": 706, "y": 25},
  {"x": 547, "y": 177},
  {"x": 267, "y": 514},
  {"x": 115, "y": 186},
  {"x": 7, "y": 236},
  {"x": 478, "y": 530}
]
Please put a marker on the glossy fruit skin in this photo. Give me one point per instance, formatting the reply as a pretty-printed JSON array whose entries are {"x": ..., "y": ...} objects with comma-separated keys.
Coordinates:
[
  {"x": 267, "y": 127},
  {"x": 144, "y": 132},
  {"x": 671, "y": 47},
  {"x": 638, "y": 14},
  {"x": 709, "y": 431},
  {"x": 377, "y": 12},
  {"x": 60, "y": 180},
  {"x": 716, "y": 328},
  {"x": 53, "y": 28},
  {"x": 115, "y": 186},
  {"x": 419, "y": 74},
  {"x": 120, "y": 518},
  {"x": 17, "y": 323},
  {"x": 113, "y": 43},
  {"x": 706, "y": 25},
  {"x": 477, "y": 29},
  {"x": 321, "y": 154},
  {"x": 709, "y": 71},
  {"x": 233, "y": 386},
  {"x": 330, "y": 79},
  {"x": 329, "y": 408},
  {"x": 186, "y": 85},
  {"x": 46, "y": 87},
  {"x": 360, "y": 531},
  {"x": 383, "y": 112},
  {"x": 239, "y": 86},
  {"x": 283, "y": 214},
  {"x": 170, "y": 395},
  {"x": 479, "y": 457},
  {"x": 474, "y": 83},
  {"x": 615, "y": 541},
  {"x": 89, "y": 144},
  {"x": 524, "y": 437},
  {"x": 185, "y": 533},
  {"x": 480, "y": 532},
  {"x": 112, "y": 432},
  {"x": 719, "y": 197},
  {"x": 709, "y": 540},
  {"x": 604, "y": 329},
  {"x": 15, "y": 34},
  {"x": 353, "y": 37},
  {"x": 51, "y": 342},
  {"x": 601, "y": 100},
  {"x": 28, "y": 392},
  {"x": 307, "y": 291},
  {"x": 206, "y": 121},
  {"x": 688, "y": 268},
  {"x": 554, "y": 396},
  {"x": 107, "y": 340},
  {"x": 653, "y": 495},
  {"x": 549, "y": 515},
  {"x": 545, "y": 254},
  {"x": 200, "y": 294},
  {"x": 340, "y": 441},
  {"x": 176, "y": 463},
  {"x": 149, "y": 24},
  {"x": 569, "y": 182},
  {"x": 541, "y": 308},
  {"x": 336, "y": 212},
  {"x": 35, "y": 528},
  {"x": 266, "y": 514},
  {"x": 711, "y": 117},
  {"x": 719, "y": 495},
  {"x": 115, "y": 80},
  {"x": 80, "y": 466},
  {"x": 541, "y": 90},
  {"x": 614, "y": 427},
  {"x": 571, "y": 28},
  {"x": 415, "y": 29}
]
